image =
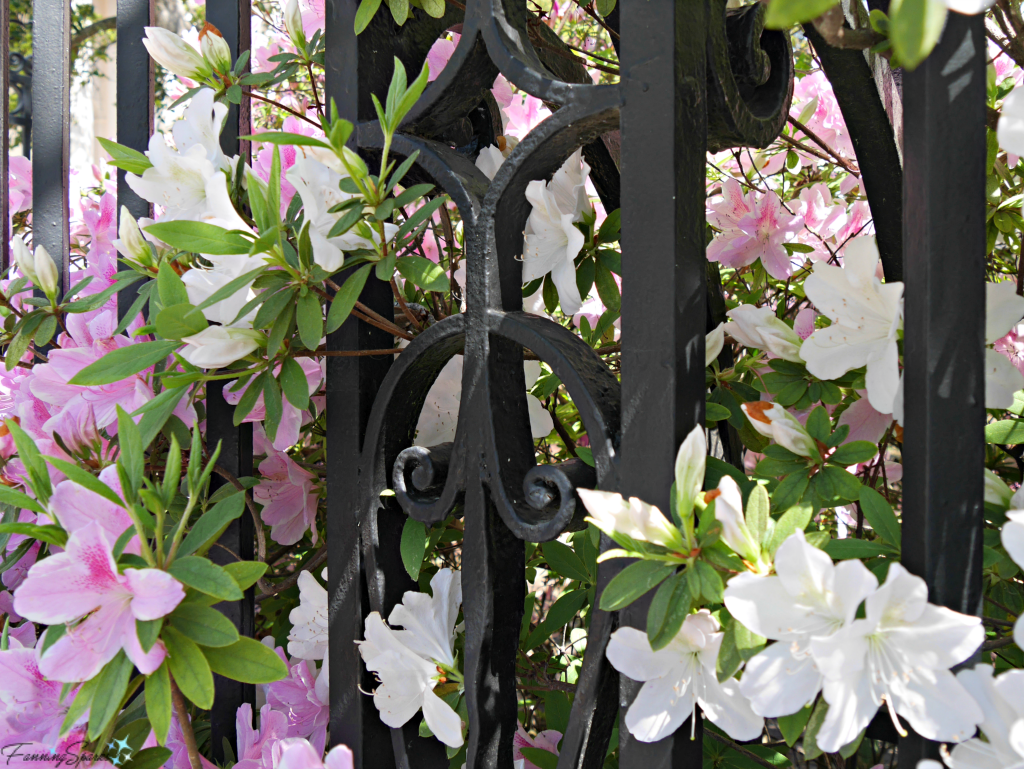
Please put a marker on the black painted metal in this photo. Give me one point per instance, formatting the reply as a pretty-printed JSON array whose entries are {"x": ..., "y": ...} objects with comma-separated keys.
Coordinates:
[
  {"x": 20, "y": 76},
  {"x": 134, "y": 114},
  {"x": 944, "y": 254},
  {"x": 51, "y": 123}
]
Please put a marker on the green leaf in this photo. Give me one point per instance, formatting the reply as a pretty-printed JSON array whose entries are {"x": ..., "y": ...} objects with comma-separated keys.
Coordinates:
[
  {"x": 86, "y": 479},
  {"x": 915, "y": 26},
  {"x": 309, "y": 318},
  {"x": 793, "y": 520},
  {"x": 814, "y": 723},
  {"x": 274, "y": 406},
  {"x": 81, "y": 703},
  {"x": 131, "y": 456},
  {"x": 558, "y": 616},
  {"x": 739, "y": 644},
  {"x": 757, "y": 513},
  {"x": 563, "y": 560},
  {"x": 819, "y": 425},
  {"x": 669, "y": 607},
  {"x": 411, "y": 96},
  {"x": 783, "y": 14},
  {"x": 245, "y": 573},
  {"x": 878, "y": 512},
  {"x": 541, "y": 758},
  {"x": 110, "y": 690},
  {"x": 420, "y": 216},
  {"x": 413, "y": 545},
  {"x": 171, "y": 287},
  {"x": 367, "y": 9},
  {"x": 282, "y": 328},
  {"x": 199, "y": 238},
  {"x": 248, "y": 661},
  {"x": 632, "y": 582},
  {"x": 285, "y": 139},
  {"x": 158, "y": 701},
  {"x": 790, "y": 490},
  {"x": 148, "y": 631},
  {"x": 205, "y": 576},
  {"x": 843, "y": 549},
  {"x": 211, "y": 525},
  {"x": 715, "y": 412},
  {"x": 158, "y": 411},
  {"x": 854, "y": 452},
  {"x": 132, "y": 161},
  {"x": 845, "y": 486},
  {"x": 347, "y": 297},
  {"x": 608, "y": 289},
  {"x": 149, "y": 758},
  {"x": 205, "y": 626},
  {"x": 48, "y": 533},
  {"x": 1005, "y": 432},
  {"x": 123, "y": 363},
  {"x": 793, "y": 725},
  {"x": 423, "y": 272},
  {"x": 179, "y": 321},
  {"x": 189, "y": 667},
  {"x": 294, "y": 384},
  {"x": 345, "y": 222}
]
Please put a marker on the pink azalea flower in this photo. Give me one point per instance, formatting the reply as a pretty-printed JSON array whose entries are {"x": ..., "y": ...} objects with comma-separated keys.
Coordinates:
[
  {"x": 754, "y": 226},
  {"x": 30, "y": 704},
  {"x": 303, "y": 698},
  {"x": 1012, "y": 346},
  {"x": 76, "y": 507},
  {"x": 179, "y": 750},
  {"x": 524, "y": 113},
  {"x": 313, "y": 17},
  {"x": 296, "y": 753},
  {"x": 814, "y": 93},
  {"x": 858, "y": 222},
  {"x": 89, "y": 341},
  {"x": 83, "y": 583},
  {"x": 865, "y": 423},
  {"x": 822, "y": 219},
  {"x": 289, "y": 497},
  {"x": 803, "y": 323},
  {"x": 441, "y": 51},
  {"x": 291, "y": 418},
  {"x": 255, "y": 746},
  {"x": 19, "y": 181},
  {"x": 547, "y": 740}
]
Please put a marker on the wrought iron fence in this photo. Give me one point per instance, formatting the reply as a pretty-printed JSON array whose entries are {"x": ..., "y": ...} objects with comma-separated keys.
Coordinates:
[{"x": 694, "y": 77}]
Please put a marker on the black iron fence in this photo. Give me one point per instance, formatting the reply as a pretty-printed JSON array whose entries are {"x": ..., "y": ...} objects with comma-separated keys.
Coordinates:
[{"x": 694, "y": 77}]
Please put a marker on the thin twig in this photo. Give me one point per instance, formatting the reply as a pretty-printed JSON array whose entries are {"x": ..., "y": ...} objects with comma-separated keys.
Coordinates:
[
  {"x": 817, "y": 140},
  {"x": 321, "y": 352},
  {"x": 261, "y": 540},
  {"x": 280, "y": 587},
  {"x": 285, "y": 108},
  {"x": 405, "y": 307},
  {"x": 738, "y": 748},
  {"x": 186, "y": 726}
]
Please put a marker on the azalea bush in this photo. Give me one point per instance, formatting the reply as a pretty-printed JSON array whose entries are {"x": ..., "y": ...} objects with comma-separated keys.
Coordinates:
[{"x": 777, "y": 608}]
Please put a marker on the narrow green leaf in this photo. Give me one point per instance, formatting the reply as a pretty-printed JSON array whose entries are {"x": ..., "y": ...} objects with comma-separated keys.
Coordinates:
[
  {"x": 792, "y": 726},
  {"x": 199, "y": 237},
  {"x": 285, "y": 139},
  {"x": 123, "y": 363},
  {"x": 914, "y": 28},
  {"x": 878, "y": 512},
  {"x": 230, "y": 288},
  {"x": 148, "y": 631},
  {"x": 843, "y": 549},
  {"x": 206, "y": 577},
  {"x": 157, "y": 413},
  {"x": 110, "y": 690},
  {"x": 245, "y": 573},
  {"x": 347, "y": 297},
  {"x": 202, "y": 624},
  {"x": 365, "y": 13},
  {"x": 248, "y": 661},
  {"x": 783, "y": 14},
  {"x": 413, "y": 545},
  {"x": 757, "y": 513},
  {"x": 422, "y": 272},
  {"x": 171, "y": 287},
  {"x": 294, "y": 384},
  {"x": 632, "y": 582},
  {"x": 149, "y": 758},
  {"x": 793, "y": 520},
  {"x": 211, "y": 525},
  {"x": 274, "y": 406},
  {"x": 158, "y": 701},
  {"x": 132, "y": 161},
  {"x": 131, "y": 456},
  {"x": 309, "y": 318},
  {"x": 563, "y": 560},
  {"x": 48, "y": 533},
  {"x": 669, "y": 607},
  {"x": 558, "y": 616},
  {"x": 189, "y": 667}
]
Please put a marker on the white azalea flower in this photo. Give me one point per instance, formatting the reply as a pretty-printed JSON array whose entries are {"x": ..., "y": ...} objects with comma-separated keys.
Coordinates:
[
  {"x": 172, "y": 53},
  {"x": 201, "y": 124},
  {"x": 176, "y": 181},
  {"x": 1010, "y": 130},
  {"x": 215, "y": 49},
  {"x": 900, "y": 653},
  {"x": 865, "y": 314},
  {"x": 317, "y": 185},
  {"x": 217, "y": 346},
  {"x": 130, "y": 242},
  {"x": 677, "y": 679},
  {"x": 440, "y": 414},
  {"x": 773, "y": 421},
  {"x": 552, "y": 241},
  {"x": 293, "y": 24},
  {"x": 308, "y": 639},
  {"x": 489, "y": 160},
  {"x": 634, "y": 518},
  {"x": 1003, "y": 310},
  {"x": 46, "y": 271},
  {"x": 969, "y": 6},
  {"x": 1012, "y": 537},
  {"x": 691, "y": 461},
  {"x": 406, "y": 661},
  {"x": 1002, "y": 701},
  {"x": 996, "y": 490},
  {"x": 713, "y": 344},
  {"x": 729, "y": 513},
  {"x": 201, "y": 284},
  {"x": 759, "y": 328},
  {"x": 810, "y": 597}
]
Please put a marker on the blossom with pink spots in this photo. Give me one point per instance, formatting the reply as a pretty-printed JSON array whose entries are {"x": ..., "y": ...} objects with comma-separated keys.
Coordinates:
[
  {"x": 255, "y": 746},
  {"x": 547, "y": 740},
  {"x": 303, "y": 698},
  {"x": 83, "y": 583},
  {"x": 753, "y": 226},
  {"x": 288, "y": 493},
  {"x": 296, "y": 753},
  {"x": 76, "y": 507},
  {"x": 31, "y": 706}
]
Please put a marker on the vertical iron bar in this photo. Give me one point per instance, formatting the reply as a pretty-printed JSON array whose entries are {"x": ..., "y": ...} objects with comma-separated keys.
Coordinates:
[
  {"x": 134, "y": 113},
  {"x": 232, "y": 19},
  {"x": 664, "y": 146},
  {"x": 352, "y": 383},
  {"x": 51, "y": 120},
  {"x": 944, "y": 247}
]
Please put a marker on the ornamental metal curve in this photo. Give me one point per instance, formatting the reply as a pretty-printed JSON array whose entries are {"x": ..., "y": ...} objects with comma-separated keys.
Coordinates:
[{"x": 489, "y": 473}]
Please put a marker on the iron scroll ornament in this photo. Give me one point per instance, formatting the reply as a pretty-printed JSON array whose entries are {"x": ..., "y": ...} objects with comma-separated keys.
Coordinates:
[{"x": 489, "y": 471}]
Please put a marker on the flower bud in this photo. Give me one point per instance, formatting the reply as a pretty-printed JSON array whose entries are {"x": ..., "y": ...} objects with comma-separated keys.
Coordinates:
[
  {"x": 729, "y": 513},
  {"x": 689, "y": 470},
  {"x": 131, "y": 245},
  {"x": 46, "y": 272},
  {"x": 174, "y": 54},
  {"x": 293, "y": 23},
  {"x": 713, "y": 344},
  {"x": 215, "y": 49},
  {"x": 758, "y": 327},
  {"x": 217, "y": 346},
  {"x": 773, "y": 421},
  {"x": 23, "y": 258}
]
